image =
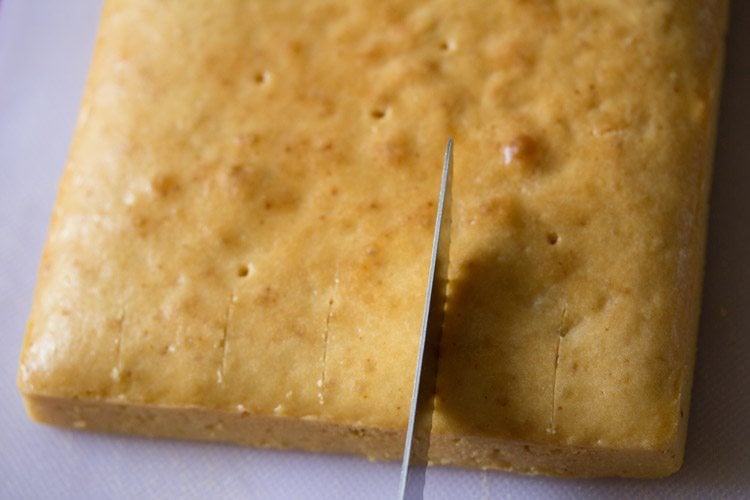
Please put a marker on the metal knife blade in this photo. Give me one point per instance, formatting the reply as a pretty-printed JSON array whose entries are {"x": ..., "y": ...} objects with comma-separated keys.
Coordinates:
[{"x": 414, "y": 465}]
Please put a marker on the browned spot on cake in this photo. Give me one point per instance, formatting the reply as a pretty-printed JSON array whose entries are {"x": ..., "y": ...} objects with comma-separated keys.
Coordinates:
[
  {"x": 523, "y": 150},
  {"x": 165, "y": 184},
  {"x": 398, "y": 149}
]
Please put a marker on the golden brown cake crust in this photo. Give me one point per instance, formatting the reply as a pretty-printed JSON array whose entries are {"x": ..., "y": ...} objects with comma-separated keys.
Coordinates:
[{"x": 242, "y": 231}]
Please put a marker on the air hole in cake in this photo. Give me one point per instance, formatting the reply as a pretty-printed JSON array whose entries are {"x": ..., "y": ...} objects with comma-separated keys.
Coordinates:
[
  {"x": 378, "y": 114},
  {"x": 261, "y": 77},
  {"x": 552, "y": 238},
  {"x": 242, "y": 271},
  {"x": 447, "y": 45}
]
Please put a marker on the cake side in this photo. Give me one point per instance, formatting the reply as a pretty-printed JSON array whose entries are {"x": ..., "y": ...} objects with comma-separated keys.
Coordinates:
[
  {"x": 243, "y": 228},
  {"x": 238, "y": 426}
]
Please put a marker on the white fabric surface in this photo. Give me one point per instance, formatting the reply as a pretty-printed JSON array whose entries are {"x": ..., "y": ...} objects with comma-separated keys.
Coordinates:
[{"x": 45, "y": 48}]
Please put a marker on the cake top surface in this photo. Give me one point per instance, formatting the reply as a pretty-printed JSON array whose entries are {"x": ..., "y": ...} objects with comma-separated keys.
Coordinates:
[{"x": 246, "y": 216}]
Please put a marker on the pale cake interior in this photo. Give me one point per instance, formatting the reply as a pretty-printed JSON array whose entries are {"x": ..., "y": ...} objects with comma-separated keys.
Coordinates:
[{"x": 241, "y": 241}]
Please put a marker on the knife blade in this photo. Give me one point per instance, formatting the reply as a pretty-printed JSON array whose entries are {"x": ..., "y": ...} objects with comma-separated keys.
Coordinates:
[{"x": 416, "y": 446}]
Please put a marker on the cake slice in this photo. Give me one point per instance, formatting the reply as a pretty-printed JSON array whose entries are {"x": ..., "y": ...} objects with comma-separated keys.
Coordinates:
[{"x": 241, "y": 239}]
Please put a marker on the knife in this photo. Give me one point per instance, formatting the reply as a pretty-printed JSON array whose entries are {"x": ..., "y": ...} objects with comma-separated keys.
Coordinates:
[{"x": 414, "y": 465}]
